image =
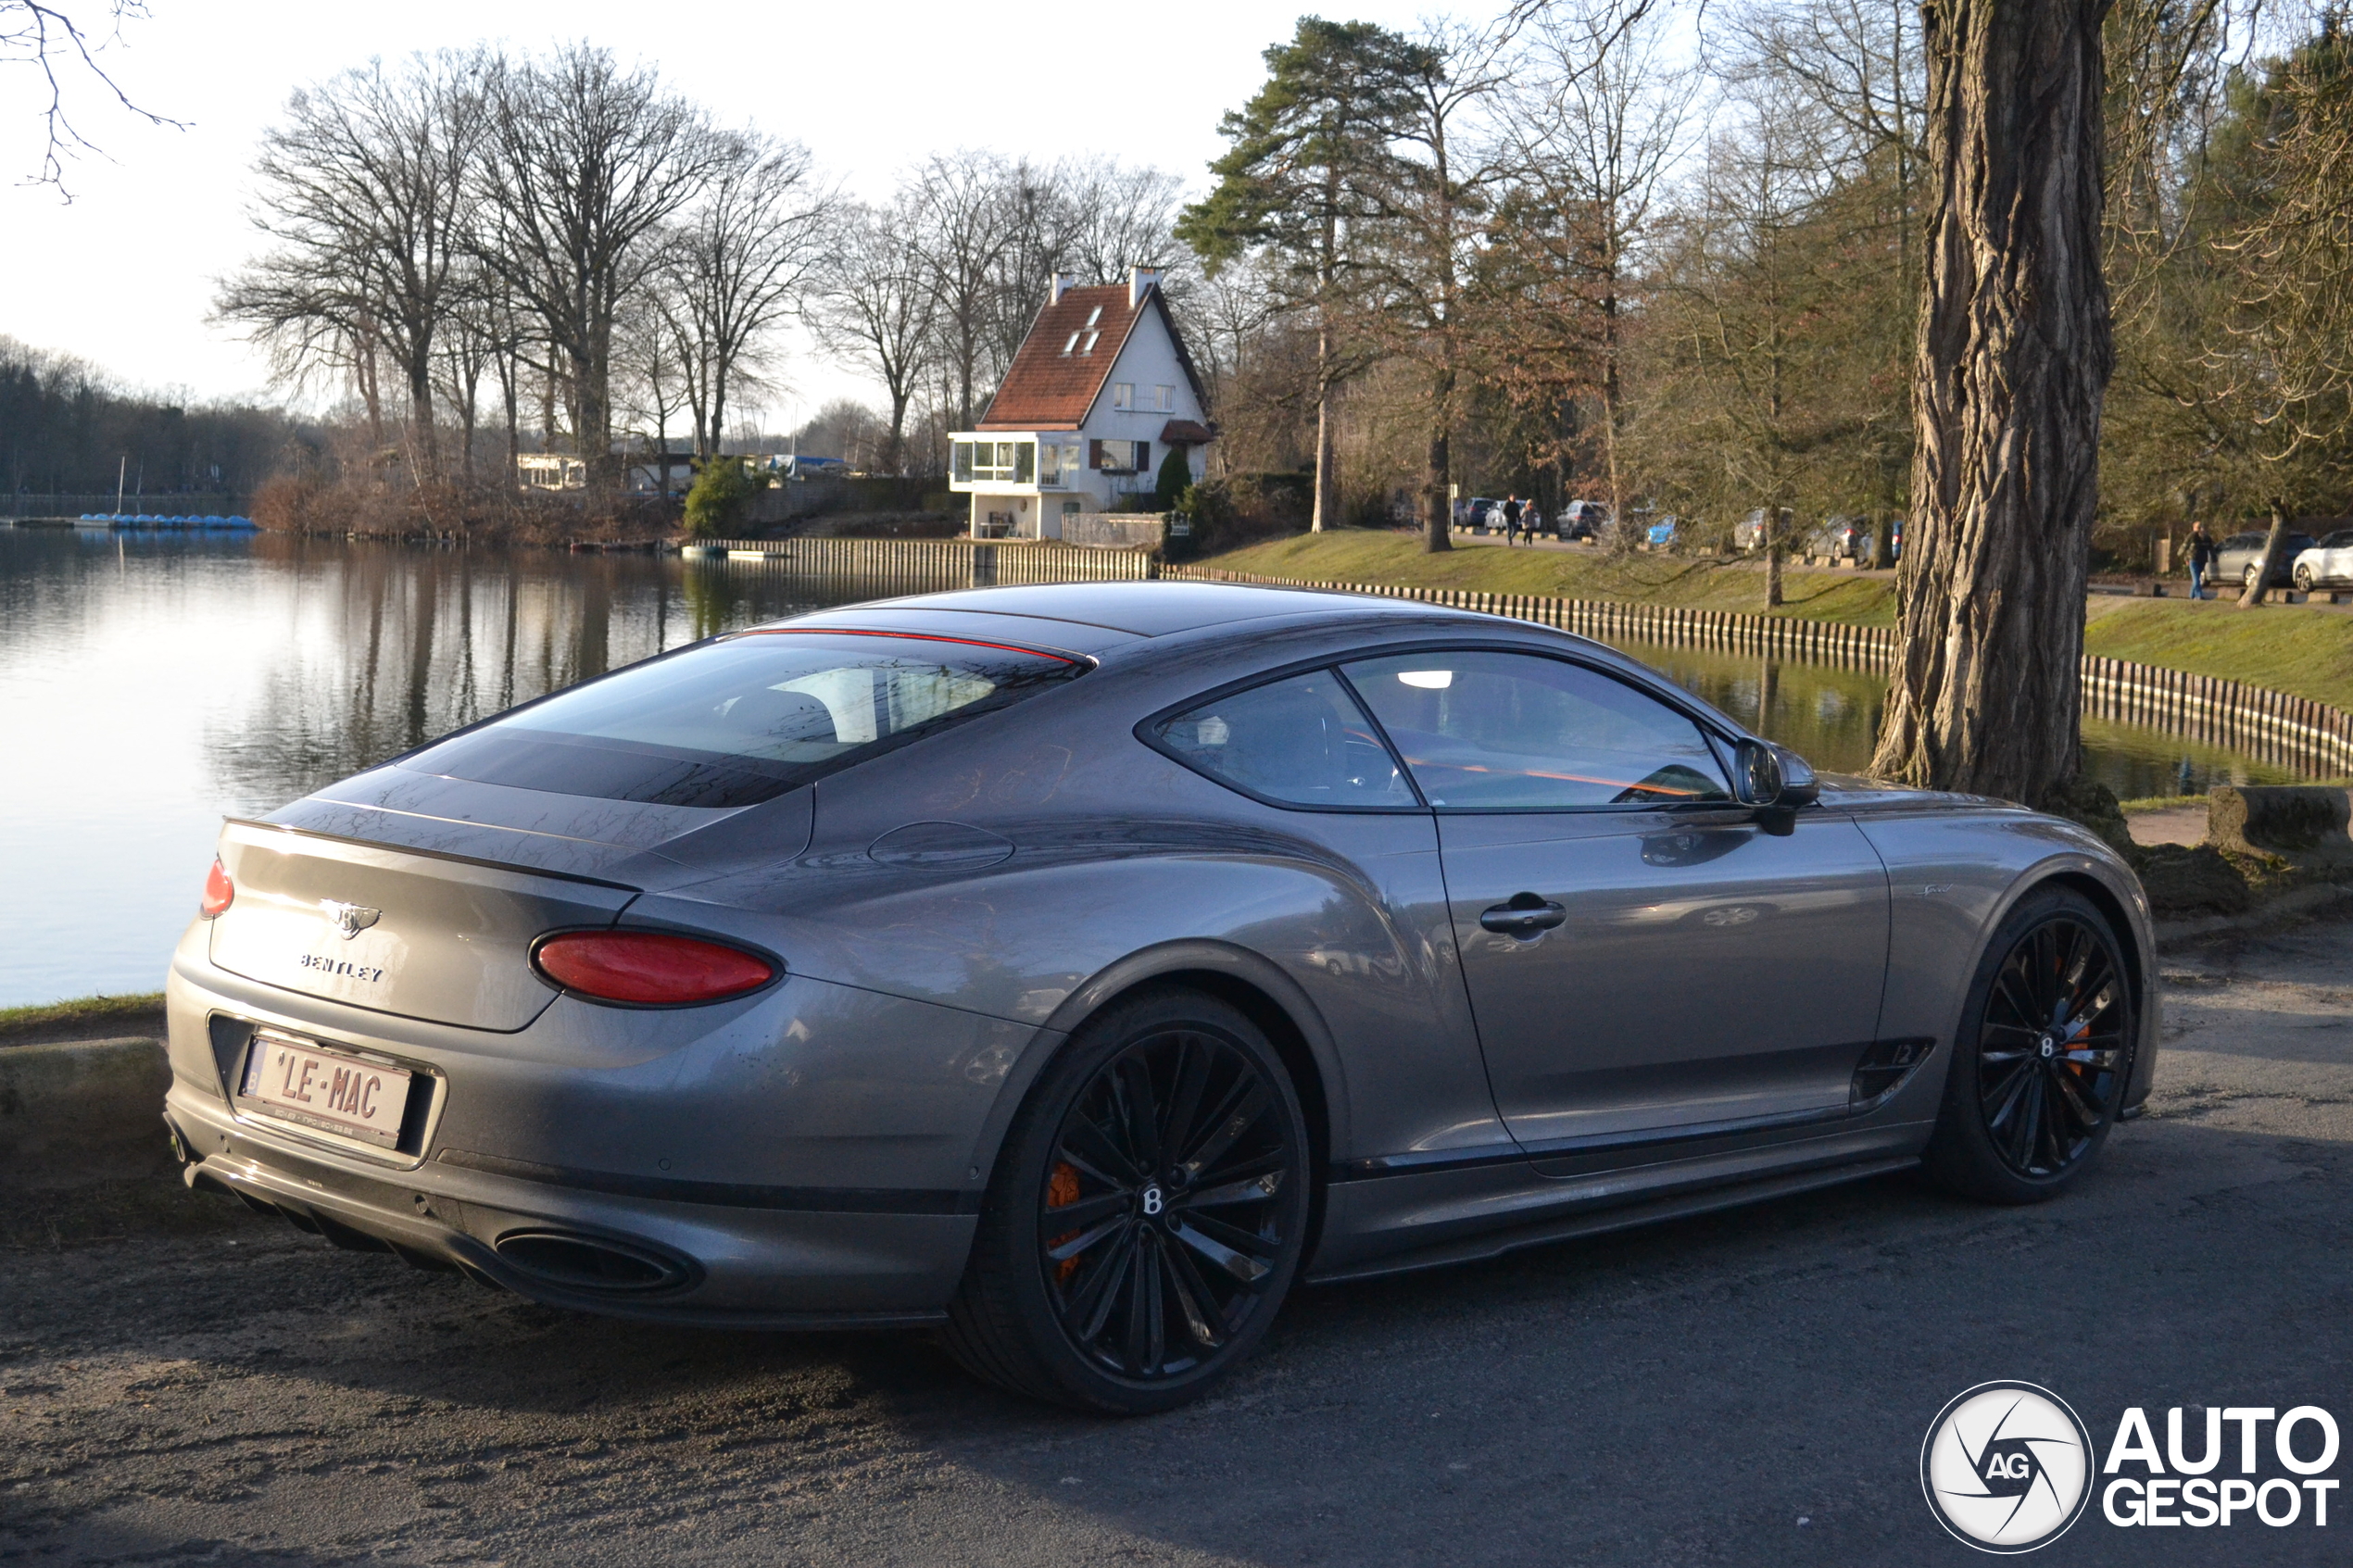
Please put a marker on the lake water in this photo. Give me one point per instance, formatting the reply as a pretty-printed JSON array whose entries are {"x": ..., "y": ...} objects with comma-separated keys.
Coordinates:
[{"x": 150, "y": 685}]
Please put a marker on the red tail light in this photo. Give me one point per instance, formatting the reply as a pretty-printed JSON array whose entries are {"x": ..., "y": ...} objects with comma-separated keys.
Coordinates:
[
  {"x": 218, "y": 892},
  {"x": 650, "y": 968}
]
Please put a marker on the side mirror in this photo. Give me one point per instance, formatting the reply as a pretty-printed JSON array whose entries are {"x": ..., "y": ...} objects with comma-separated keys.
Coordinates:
[
  {"x": 1768, "y": 775},
  {"x": 1757, "y": 774}
]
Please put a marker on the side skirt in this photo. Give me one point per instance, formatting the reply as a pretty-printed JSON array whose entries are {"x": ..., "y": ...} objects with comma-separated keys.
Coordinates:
[{"x": 1400, "y": 1223}]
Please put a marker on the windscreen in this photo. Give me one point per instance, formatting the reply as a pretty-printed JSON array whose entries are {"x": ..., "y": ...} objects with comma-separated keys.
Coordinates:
[{"x": 741, "y": 721}]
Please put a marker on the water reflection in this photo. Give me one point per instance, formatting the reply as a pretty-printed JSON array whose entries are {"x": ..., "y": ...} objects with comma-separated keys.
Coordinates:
[
  {"x": 151, "y": 685},
  {"x": 1829, "y": 717}
]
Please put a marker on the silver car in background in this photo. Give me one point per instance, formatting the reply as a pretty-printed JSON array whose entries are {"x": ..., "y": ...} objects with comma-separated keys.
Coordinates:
[{"x": 1078, "y": 968}]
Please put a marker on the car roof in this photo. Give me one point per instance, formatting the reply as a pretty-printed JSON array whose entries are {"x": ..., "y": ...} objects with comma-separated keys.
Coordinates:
[{"x": 1140, "y": 609}]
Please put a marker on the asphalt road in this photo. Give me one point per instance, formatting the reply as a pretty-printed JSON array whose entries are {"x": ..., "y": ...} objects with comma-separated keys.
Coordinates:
[{"x": 183, "y": 1383}]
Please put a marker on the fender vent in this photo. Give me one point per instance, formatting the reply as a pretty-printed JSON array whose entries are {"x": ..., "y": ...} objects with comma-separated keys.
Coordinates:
[
  {"x": 579, "y": 1262},
  {"x": 1885, "y": 1066}
]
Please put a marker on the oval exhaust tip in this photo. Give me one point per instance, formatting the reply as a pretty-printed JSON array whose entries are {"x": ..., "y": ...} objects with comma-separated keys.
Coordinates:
[{"x": 579, "y": 1262}]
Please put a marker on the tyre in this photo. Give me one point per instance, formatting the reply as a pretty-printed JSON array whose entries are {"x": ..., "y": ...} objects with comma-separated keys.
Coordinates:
[
  {"x": 2041, "y": 1058},
  {"x": 2303, "y": 579},
  {"x": 2253, "y": 572},
  {"x": 1147, "y": 1214}
]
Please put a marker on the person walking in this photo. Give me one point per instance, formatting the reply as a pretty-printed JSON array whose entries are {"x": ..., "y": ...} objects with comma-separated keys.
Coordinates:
[
  {"x": 2201, "y": 559},
  {"x": 1511, "y": 520}
]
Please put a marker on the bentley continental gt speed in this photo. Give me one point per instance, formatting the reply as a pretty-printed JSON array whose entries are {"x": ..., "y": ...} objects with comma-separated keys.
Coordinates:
[{"x": 1077, "y": 969}]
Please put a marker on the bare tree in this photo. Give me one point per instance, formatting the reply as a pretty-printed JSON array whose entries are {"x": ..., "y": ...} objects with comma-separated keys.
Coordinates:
[
  {"x": 962, "y": 226},
  {"x": 875, "y": 308},
  {"x": 366, "y": 196},
  {"x": 2015, "y": 353},
  {"x": 585, "y": 163},
  {"x": 1603, "y": 118},
  {"x": 736, "y": 265},
  {"x": 46, "y": 38}
]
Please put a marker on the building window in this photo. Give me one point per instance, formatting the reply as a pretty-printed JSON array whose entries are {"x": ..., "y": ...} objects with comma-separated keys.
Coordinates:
[
  {"x": 1059, "y": 462},
  {"x": 1123, "y": 394},
  {"x": 1123, "y": 456},
  {"x": 1072, "y": 345},
  {"x": 1165, "y": 398},
  {"x": 992, "y": 462}
]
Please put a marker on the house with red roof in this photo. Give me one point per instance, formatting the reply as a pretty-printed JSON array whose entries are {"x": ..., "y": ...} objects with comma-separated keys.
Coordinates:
[{"x": 1098, "y": 395}]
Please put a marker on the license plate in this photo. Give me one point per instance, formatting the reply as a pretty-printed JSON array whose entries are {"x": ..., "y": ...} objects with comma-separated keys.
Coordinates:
[{"x": 295, "y": 1081}]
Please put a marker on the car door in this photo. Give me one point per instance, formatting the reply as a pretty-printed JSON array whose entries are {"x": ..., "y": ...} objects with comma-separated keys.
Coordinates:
[{"x": 1642, "y": 953}]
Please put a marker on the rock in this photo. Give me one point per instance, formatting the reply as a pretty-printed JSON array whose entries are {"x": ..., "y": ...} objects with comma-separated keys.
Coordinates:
[{"x": 2094, "y": 805}]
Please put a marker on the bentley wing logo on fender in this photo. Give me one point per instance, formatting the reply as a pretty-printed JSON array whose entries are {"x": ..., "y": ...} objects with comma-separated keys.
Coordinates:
[{"x": 349, "y": 919}]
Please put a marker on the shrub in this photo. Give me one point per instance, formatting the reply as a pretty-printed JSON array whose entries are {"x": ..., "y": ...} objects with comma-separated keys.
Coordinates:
[
  {"x": 722, "y": 491},
  {"x": 1175, "y": 478}
]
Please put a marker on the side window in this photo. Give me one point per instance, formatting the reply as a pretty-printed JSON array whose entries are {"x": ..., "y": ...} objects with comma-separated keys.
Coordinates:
[
  {"x": 1304, "y": 741},
  {"x": 1504, "y": 730}
]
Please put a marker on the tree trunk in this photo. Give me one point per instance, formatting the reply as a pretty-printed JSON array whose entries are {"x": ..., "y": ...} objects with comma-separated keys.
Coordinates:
[
  {"x": 2274, "y": 546},
  {"x": 1327, "y": 438},
  {"x": 2014, "y": 356},
  {"x": 1438, "y": 515},
  {"x": 1775, "y": 525}
]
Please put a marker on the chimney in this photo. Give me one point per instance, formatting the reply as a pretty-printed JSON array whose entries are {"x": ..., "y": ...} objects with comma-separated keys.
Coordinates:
[
  {"x": 1139, "y": 280},
  {"x": 1062, "y": 283}
]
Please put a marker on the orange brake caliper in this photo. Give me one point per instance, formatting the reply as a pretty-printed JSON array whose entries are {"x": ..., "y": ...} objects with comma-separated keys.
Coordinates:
[{"x": 1061, "y": 1191}]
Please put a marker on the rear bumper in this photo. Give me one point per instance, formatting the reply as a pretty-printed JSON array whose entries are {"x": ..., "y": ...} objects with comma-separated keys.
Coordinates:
[
  {"x": 812, "y": 1157},
  {"x": 728, "y": 1266}
]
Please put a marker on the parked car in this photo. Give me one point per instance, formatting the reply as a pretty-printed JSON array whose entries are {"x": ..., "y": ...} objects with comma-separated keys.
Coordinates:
[
  {"x": 1583, "y": 520},
  {"x": 2240, "y": 554},
  {"x": 2328, "y": 564},
  {"x": 1078, "y": 968},
  {"x": 1472, "y": 513}
]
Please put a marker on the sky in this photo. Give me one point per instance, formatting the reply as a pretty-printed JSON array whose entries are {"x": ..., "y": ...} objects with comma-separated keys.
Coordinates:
[{"x": 124, "y": 274}]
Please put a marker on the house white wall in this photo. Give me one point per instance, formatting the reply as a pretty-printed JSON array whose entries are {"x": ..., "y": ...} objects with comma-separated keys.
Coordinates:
[{"x": 1146, "y": 362}]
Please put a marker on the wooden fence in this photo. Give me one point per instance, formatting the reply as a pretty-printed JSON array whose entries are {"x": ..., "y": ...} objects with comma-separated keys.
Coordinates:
[{"x": 2295, "y": 732}]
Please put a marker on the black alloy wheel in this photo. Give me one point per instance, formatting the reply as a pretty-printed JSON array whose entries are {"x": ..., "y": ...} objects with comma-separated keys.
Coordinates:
[
  {"x": 2040, "y": 1069},
  {"x": 1148, "y": 1214},
  {"x": 1160, "y": 1220}
]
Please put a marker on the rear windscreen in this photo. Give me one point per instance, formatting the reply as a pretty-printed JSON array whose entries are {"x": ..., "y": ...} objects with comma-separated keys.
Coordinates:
[{"x": 741, "y": 721}]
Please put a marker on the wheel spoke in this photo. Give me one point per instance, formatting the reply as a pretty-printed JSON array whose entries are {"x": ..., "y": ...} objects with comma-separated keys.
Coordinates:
[
  {"x": 1074, "y": 1245},
  {"x": 1143, "y": 1349},
  {"x": 1142, "y": 1121},
  {"x": 2089, "y": 1109},
  {"x": 1091, "y": 1149},
  {"x": 1097, "y": 1292},
  {"x": 1195, "y": 1298},
  {"x": 1252, "y": 1103},
  {"x": 1256, "y": 1189},
  {"x": 1250, "y": 1270},
  {"x": 1183, "y": 1098}
]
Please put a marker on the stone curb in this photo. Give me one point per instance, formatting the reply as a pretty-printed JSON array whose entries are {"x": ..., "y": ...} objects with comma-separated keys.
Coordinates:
[{"x": 82, "y": 1111}]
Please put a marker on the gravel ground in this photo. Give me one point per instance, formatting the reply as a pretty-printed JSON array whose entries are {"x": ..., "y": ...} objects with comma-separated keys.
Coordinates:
[{"x": 181, "y": 1381}]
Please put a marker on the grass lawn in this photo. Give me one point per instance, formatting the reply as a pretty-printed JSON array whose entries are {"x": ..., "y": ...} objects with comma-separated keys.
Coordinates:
[
  {"x": 2297, "y": 648},
  {"x": 1380, "y": 556},
  {"x": 82, "y": 1016}
]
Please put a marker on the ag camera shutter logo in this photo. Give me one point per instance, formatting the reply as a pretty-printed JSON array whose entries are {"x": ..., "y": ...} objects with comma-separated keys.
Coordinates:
[{"x": 2007, "y": 1467}]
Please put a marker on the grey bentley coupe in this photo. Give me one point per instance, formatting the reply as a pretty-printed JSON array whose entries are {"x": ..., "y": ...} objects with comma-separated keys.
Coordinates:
[{"x": 1078, "y": 968}]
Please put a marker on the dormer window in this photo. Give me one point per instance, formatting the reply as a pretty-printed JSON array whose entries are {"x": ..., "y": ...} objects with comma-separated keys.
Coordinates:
[{"x": 1123, "y": 394}]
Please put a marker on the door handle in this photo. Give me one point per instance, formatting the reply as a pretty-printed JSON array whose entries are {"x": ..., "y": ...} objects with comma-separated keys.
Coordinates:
[{"x": 1524, "y": 916}]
